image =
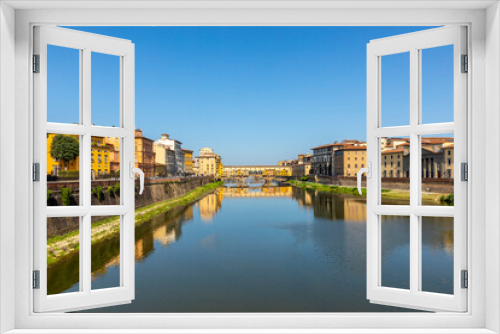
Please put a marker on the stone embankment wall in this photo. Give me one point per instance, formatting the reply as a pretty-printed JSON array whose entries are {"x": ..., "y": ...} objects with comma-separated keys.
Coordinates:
[
  {"x": 156, "y": 190},
  {"x": 441, "y": 186}
]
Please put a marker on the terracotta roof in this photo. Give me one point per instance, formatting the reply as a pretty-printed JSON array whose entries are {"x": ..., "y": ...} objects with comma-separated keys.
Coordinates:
[
  {"x": 437, "y": 140},
  {"x": 327, "y": 145},
  {"x": 397, "y": 138},
  {"x": 184, "y": 150},
  {"x": 403, "y": 144},
  {"x": 392, "y": 151},
  {"x": 353, "y": 148}
]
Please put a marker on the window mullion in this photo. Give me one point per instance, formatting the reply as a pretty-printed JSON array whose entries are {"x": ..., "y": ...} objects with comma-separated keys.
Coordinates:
[
  {"x": 86, "y": 174},
  {"x": 85, "y": 254},
  {"x": 415, "y": 182}
]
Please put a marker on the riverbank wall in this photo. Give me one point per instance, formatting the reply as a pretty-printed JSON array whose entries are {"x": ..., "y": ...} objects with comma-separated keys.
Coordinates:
[
  {"x": 155, "y": 190},
  {"x": 440, "y": 186}
]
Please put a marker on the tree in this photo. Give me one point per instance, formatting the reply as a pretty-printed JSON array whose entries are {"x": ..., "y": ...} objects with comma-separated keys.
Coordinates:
[{"x": 65, "y": 148}]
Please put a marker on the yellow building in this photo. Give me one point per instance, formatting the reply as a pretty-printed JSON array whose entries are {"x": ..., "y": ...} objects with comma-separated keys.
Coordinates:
[
  {"x": 209, "y": 163},
  {"x": 218, "y": 165},
  {"x": 100, "y": 158},
  {"x": 160, "y": 159},
  {"x": 114, "y": 153},
  {"x": 188, "y": 161},
  {"x": 348, "y": 160},
  {"x": 392, "y": 163},
  {"x": 53, "y": 165},
  {"x": 449, "y": 170}
]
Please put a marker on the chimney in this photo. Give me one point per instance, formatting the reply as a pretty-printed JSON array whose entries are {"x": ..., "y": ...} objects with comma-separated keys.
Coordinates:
[{"x": 165, "y": 136}]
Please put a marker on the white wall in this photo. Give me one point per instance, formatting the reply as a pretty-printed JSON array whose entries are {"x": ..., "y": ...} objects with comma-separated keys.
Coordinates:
[
  {"x": 492, "y": 162},
  {"x": 7, "y": 158}
]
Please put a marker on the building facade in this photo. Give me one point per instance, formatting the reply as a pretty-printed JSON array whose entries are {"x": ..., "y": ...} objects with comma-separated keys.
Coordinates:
[
  {"x": 209, "y": 163},
  {"x": 100, "y": 158},
  {"x": 55, "y": 166},
  {"x": 348, "y": 160},
  {"x": 303, "y": 165},
  {"x": 392, "y": 164},
  {"x": 436, "y": 157},
  {"x": 449, "y": 170},
  {"x": 101, "y": 167},
  {"x": 323, "y": 159},
  {"x": 188, "y": 162},
  {"x": 160, "y": 159},
  {"x": 145, "y": 158},
  {"x": 114, "y": 153},
  {"x": 176, "y": 147}
]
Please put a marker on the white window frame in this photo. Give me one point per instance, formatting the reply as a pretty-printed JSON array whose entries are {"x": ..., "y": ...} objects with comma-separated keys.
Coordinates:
[
  {"x": 86, "y": 44},
  {"x": 483, "y": 100},
  {"x": 414, "y": 44}
]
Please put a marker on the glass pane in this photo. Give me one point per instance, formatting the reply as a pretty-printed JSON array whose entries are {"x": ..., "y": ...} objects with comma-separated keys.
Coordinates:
[
  {"x": 105, "y": 90},
  {"x": 63, "y": 255},
  {"x": 395, "y": 251},
  {"x": 105, "y": 252},
  {"x": 395, "y": 89},
  {"x": 437, "y": 169},
  {"x": 63, "y": 84},
  {"x": 395, "y": 170},
  {"x": 63, "y": 169},
  {"x": 437, "y": 84},
  {"x": 437, "y": 254},
  {"x": 105, "y": 164}
]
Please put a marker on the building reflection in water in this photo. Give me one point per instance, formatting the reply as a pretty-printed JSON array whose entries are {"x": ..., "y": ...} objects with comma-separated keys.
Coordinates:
[
  {"x": 164, "y": 229},
  {"x": 332, "y": 206},
  {"x": 338, "y": 230},
  {"x": 209, "y": 206}
]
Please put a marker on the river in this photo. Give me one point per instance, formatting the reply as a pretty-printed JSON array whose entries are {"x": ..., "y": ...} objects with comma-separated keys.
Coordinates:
[{"x": 275, "y": 249}]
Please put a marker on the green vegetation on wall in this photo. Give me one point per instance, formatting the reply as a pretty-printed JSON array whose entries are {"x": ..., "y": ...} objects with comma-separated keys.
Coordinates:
[
  {"x": 66, "y": 195},
  {"x": 117, "y": 188},
  {"x": 97, "y": 192}
]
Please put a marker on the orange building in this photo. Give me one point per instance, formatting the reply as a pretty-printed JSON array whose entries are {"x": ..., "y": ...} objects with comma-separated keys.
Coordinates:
[{"x": 144, "y": 154}]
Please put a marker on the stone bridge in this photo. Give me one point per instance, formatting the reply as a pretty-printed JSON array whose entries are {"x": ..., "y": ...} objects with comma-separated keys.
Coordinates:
[{"x": 262, "y": 170}]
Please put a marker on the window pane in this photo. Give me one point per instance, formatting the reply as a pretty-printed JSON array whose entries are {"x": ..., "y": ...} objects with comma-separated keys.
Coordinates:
[
  {"x": 63, "y": 84},
  {"x": 105, "y": 164},
  {"x": 437, "y": 254},
  {"x": 395, "y": 251},
  {"x": 395, "y": 89},
  {"x": 437, "y": 169},
  {"x": 437, "y": 84},
  {"x": 105, "y": 252},
  {"x": 395, "y": 170},
  {"x": 63, "y": 170},
  {"x": 63, "y": 255},
  {"x": 105, "y": 90}
]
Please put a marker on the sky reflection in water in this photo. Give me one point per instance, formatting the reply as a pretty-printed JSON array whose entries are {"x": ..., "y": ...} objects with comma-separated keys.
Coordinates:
[{"x": 276, "y": 249}]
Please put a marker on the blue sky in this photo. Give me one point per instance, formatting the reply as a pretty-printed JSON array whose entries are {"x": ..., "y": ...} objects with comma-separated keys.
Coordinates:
[{"x": 255, "y": 95}]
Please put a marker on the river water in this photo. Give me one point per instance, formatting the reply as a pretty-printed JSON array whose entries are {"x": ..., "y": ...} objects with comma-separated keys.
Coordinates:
[{"x": 275, "y": 249}]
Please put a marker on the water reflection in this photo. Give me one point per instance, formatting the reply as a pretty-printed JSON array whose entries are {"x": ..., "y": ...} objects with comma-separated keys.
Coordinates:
[{"x": 271, "y": 249}]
